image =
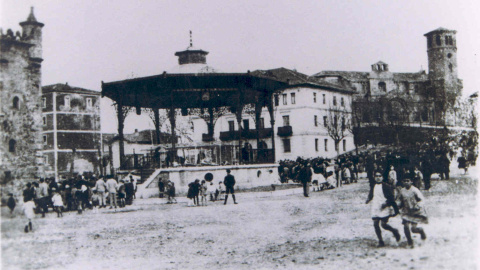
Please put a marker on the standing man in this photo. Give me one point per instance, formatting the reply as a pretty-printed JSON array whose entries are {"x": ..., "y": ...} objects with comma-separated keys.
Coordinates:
[
  {"x": 112, "y": 191},
  {"x": 43, "y": 196},
  {"x": 100, "y": 187},
  {"x": 229, "y": 183},
  {"x": 305, "y": 177}
]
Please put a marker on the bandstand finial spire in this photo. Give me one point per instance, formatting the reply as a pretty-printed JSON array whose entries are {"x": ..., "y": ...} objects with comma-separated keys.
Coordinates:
[{"x": 191, "y": 42}]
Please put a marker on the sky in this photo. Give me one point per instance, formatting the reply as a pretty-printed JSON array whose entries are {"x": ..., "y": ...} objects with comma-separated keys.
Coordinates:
[{"x": 89, "y": 41}]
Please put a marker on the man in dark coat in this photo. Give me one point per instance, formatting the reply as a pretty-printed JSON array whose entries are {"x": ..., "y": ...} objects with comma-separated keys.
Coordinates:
[
  {"x": 229, "y": 183},
  {"x": 28, "y": 193},
  {"x": 444, "y": 166},
  {"x": 426, "y": 171},
  {"x": 305, "y": 177}
]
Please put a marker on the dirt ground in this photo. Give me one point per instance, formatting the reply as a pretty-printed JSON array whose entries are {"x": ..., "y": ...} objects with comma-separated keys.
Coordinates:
[{"x": 329, "y": 230}]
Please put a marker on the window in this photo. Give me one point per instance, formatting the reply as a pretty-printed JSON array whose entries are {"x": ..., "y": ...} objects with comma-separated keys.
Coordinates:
[
  {"x": 286, "y": 145},
  {"x": 342, "y": 102},
  {"x": 336, "y": 147},
  {"x": 292, "y": 96},
  {"x": 335, "y": 122},
  {"x": 325, "y": 121},
  {"x": 438, "y": 40},
  {"x": 286, "y": 120},
  {"x": 231, "y": 126},
  {"x": 326, "y": 144},
  {"x": 11, "y": 146},
  {"x": 284, "y": 97},
  {"x": 315, "y": 120},
  {"x": 66, "y": 100},
  {"x": 343, "y": 123},
  {"x": 44, "y": 118},
  {"x": 89, "y": 103},
  {"x": 344, "y": 145},
  {"x": 382, "y": 87},
  {"x": 314, "y": 97},
  {"x": 262, "y": 123},
  {"x": 246, "y": 124},
  {"x": 450, "y": 67},
  {"x": 334, "y": 101},
  {"x": 15, "y": 102},
  {"x": 45, "y": 159},
  {"x": 316, "y": 145},
  {"x": 277, "y": 100},
  {"x": 44, "y": 139},
  {"x": 324, "y": 99},
  {"x": 44, "y": 102}
]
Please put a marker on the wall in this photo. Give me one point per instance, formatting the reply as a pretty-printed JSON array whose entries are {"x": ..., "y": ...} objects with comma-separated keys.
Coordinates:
[{"x": 245, "y": 177}]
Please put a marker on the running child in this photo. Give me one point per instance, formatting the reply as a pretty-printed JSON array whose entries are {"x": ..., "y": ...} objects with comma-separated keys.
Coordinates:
[
  {"x": 383, "y": 206},
  {"x": 57, "y": 202},
  {"x": 28, "y": 211},
  {"x": 413, "y": 212}
]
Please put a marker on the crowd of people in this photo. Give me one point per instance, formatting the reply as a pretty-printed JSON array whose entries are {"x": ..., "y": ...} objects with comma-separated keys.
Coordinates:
[{"x": 75, "y": 194}]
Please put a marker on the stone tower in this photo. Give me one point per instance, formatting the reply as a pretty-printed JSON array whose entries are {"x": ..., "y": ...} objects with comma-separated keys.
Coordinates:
[
  {"x": 444, "y": 85},
  {"x": 21, "y": 140}
]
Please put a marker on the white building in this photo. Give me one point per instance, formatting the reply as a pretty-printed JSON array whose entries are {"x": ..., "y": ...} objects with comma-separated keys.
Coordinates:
[{"x": 302, "y": 113}]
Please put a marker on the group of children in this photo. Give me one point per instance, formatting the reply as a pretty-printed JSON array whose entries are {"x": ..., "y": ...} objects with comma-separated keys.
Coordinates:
[
  {"x": 388, "y": 199},
  {"x": 200, "y": 192}
]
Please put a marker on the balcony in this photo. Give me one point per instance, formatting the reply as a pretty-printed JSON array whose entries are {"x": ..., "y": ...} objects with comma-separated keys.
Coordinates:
[
  {"x": 207, "y": 137},
  {"x": 246, "y": 134},
  {"x": 284, "y": 131},
  {"x": 229, "y": 135}
]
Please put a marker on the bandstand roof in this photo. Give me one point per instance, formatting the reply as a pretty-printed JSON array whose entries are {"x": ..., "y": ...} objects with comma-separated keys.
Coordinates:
[{"x": 194, "y": 90}]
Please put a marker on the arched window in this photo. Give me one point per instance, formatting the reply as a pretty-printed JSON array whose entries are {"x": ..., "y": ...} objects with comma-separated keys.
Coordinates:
[
  {"x": 382, "y": 87},
  {"x": 15, "y": 103},
  {"x": 11, "y": 146}
]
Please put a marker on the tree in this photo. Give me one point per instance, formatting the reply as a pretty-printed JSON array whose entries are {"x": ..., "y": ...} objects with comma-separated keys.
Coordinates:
[{"x": 338, "y": 125}]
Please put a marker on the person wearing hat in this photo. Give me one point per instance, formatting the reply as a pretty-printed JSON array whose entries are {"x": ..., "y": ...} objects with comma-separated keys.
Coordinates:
[
  {"x": 11, "y": 203},
  {"x": 305, "y": 177}
]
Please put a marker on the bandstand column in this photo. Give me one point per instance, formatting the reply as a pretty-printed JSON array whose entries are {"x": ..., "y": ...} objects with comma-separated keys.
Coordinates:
[
  {"x": 171, "y": 117},
  {"x": 238, "y": 114},
  {"x": 271, "y": 111},
  {"x": 156, "y": 115},
  {"x": 121, "y": 120}
]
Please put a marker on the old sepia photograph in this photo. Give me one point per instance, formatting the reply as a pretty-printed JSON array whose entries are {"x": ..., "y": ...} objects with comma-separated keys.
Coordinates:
[{"x": 255, "y": 134}]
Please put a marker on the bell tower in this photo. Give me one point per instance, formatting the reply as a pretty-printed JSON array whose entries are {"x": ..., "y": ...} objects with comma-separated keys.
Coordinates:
[
  {"x": 444, "y": 85},
  {"x": 442, "y": 58}
]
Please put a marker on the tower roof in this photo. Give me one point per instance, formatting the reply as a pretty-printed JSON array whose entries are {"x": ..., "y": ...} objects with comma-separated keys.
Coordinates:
[
  {"x": 440, "y": 30},
  {"x": 31, "y": 20}
]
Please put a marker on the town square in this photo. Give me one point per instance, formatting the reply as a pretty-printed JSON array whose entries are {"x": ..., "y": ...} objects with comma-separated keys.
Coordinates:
[{"x": 254, "y": 135}]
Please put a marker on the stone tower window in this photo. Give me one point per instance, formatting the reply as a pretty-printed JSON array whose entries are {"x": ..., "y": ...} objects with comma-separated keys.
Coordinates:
[
  {"x": 66, "y": 100},
  {"x": 382, "y": 87},
  {"x": 11, "y": 146},
  {"x": 89, "y": 103},
  {"x": 15, "y": 103},
  {"x": 449, "y": 55},
  {"x": 450, "y": 67},
  {"x": 438, "y": 40}
]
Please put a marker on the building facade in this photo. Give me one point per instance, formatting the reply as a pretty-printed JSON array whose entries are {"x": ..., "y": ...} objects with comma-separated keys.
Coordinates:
[
  {"x": 422, "y": 98},
  {"x": 71, "y": 129},
  {"x": 304, "y": 120},
  {"x": 20, "y": 95}
]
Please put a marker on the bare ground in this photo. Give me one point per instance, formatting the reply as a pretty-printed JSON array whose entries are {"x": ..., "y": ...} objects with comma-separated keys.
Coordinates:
[{"x": 330, "y": 230}]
